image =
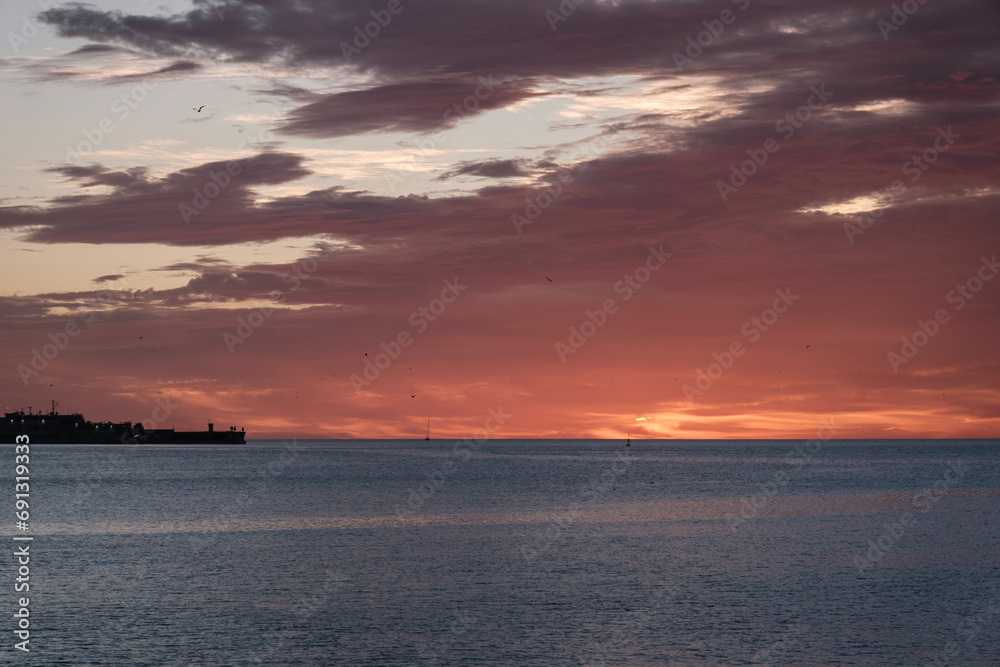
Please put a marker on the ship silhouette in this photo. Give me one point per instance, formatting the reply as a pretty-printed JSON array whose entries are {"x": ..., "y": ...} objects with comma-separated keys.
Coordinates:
[{"x": 70, "y": 429}]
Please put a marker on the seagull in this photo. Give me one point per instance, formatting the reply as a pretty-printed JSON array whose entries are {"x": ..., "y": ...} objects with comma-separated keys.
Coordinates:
[
  {"x": 199, "y": 108},
  {"x": 549, "y": 279}
]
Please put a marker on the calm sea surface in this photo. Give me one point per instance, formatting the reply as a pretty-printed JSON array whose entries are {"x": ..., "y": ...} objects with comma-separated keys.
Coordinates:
[{"x": 561, "y": 552}]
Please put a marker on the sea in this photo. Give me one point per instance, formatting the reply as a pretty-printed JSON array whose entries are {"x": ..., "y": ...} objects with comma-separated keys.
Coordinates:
[{"x": 509, "y": 552}]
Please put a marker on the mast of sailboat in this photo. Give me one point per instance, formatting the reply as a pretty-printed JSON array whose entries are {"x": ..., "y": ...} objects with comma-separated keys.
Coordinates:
[{"x": 428, "y": 427}]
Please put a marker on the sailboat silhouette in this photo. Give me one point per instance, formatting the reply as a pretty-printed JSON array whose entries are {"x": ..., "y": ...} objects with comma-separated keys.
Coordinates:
[{"x": 428, "y": 427}]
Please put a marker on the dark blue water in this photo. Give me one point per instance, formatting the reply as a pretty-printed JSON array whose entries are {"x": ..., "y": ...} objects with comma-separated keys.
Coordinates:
[{"x": 517, "y": 553}]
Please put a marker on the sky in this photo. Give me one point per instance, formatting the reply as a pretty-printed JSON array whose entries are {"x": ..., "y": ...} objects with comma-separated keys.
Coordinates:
[{"x": 516, "y": 219}]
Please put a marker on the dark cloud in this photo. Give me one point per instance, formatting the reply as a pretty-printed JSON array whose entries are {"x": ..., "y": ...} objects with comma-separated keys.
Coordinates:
[
  {"x": 145, "y": 209},
  {"x": 95, "y": 175},
  {"x": 89, "y": 49},
  {"x": 429, "y": 57},
  {"x": 149, "y": 34},
  {"x": 404, "y": 107},
  {"x": 451, "y": 36},
  {"x": 488, "y": 169},
  {"x": 198, "y": 265},
  {"x": 183, "y": 66},
  {"x": 290, "y": 92},
  {"x": 107, "y": 279},
  {"x": 223, "y": 287}
]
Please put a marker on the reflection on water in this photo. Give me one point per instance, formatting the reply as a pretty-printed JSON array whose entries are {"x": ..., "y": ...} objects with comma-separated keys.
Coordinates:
[{"x": 526, "y": 552}]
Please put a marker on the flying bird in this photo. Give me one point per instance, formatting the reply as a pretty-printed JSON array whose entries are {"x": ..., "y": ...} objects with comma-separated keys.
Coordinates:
[
  {"x": 199, "y": 108},
  {"x": 549, "y": 279}
]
